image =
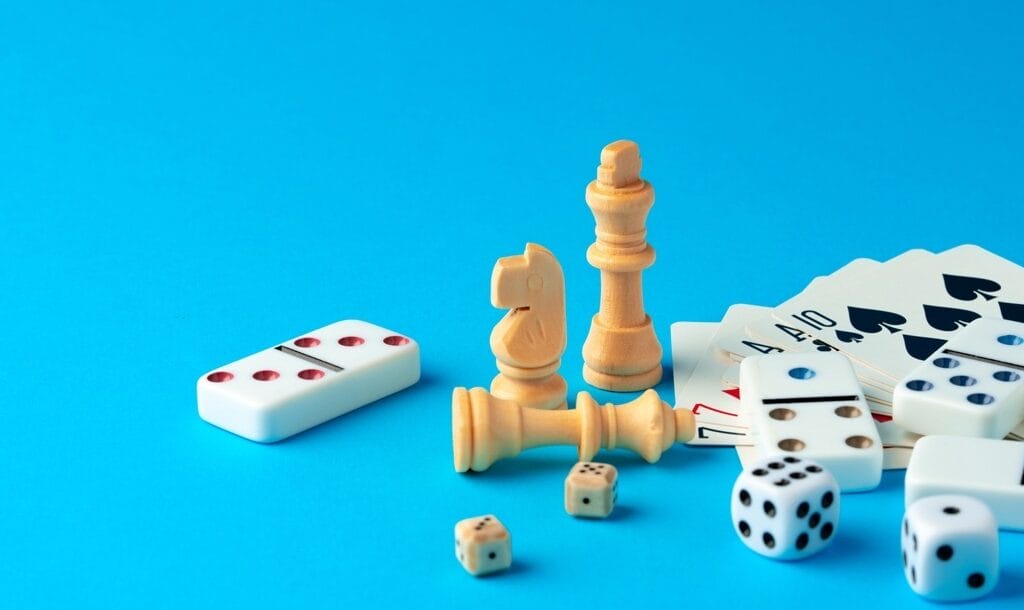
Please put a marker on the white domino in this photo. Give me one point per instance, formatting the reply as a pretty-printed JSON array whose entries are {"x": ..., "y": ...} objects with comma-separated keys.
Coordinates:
[
  {"x": 971, "y": 386},
  {"x": 989, "y": 470},
  {"x": 811, "y": 405},
  {"x": 306, "y": 381}
]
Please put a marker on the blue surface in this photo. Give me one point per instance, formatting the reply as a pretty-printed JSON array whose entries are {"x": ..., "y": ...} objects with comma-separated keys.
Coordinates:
[{"x": 182, "y": 185}]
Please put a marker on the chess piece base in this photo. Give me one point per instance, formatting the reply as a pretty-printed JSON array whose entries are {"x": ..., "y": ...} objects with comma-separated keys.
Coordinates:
[
  {"x": 547, "y": 392},
  {"x": 634, "y": 364},
  {"x": 622, "y": 383}
]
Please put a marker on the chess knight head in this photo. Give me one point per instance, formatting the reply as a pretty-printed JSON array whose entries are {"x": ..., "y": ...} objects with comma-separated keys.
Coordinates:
[{"x": 532, "y": 288}]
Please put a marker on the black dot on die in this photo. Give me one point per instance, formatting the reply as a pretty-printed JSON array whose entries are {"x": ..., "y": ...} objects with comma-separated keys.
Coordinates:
[
  {"x": 814, "y": 520},
  {"x": 744, "y": 528},
  {"x": 769, "y": 540},
  {"x": 759, "y": 472},
  {"x": 797, "y": 475},
  {"x": 904, "y": 559},
  {"x": 812, "y": 468},
  {"x": 801, "y": 541},
  {"x": 827, "y": 499},
  {"x": 492, "y": 555},
  {"x": 913, "y": 575},
  {"x": 915, "y": 543},
  {"x": 781, "y": 482},
  {"x": 826, "y": 531},
  {"x": 906, "y": 527},
  {"x": 976, "y": 580},
  {"x": 776, "y": 465},
  {"x": 769, "y": 509},
  {"x": 944, "y": 552},
  {"x": 586, "y": 500},
  {"x": 951, "y": 510},
  {"x": 802, "y": 510},
  {"x": 744, "y": 497},
  {"x": 791, "y": 460}
]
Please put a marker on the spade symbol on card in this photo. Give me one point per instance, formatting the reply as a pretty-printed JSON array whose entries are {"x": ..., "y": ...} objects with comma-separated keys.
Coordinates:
[
  {"x": 920, "y": 348},
  {"x": 1012, "y": 311},
  {"x": 948, "y": 318},
  {"x": 821, "y": 346},
  {"x": 967, "y": 288},
  {"x": 849, "y": 337},
  {"x": 874, "y": 320}
]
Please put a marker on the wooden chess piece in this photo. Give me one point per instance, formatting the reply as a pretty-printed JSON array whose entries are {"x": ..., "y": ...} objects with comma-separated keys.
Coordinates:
[
  {"x": 621, "y": 353},
  {"x": 486, "y": 429},
  {"x": 529, "y": 341}
]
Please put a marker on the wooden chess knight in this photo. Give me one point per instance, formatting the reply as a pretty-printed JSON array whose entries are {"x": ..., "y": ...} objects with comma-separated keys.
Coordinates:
[
  {"x": 529, "y": 341},
  {"x": 621, "y": 353}
]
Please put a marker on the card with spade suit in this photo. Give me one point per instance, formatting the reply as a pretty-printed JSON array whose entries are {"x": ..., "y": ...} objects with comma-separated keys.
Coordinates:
[
  {"x": 893, "y": 319},
  {"x": 766, "y": 333}
]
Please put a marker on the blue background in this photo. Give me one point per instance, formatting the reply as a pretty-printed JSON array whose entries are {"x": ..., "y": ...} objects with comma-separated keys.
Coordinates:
[{"x": 182, "y": 185}]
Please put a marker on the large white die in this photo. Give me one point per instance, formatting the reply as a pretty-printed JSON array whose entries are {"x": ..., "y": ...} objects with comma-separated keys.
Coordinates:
[
  {"x": 785, "y": 507},
  {"x": 972, "y": 386},
  {"x": 950, "y": 548}
]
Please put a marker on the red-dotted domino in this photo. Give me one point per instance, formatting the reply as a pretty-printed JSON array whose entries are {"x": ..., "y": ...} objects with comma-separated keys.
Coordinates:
[{"x": 306, "y": 381}]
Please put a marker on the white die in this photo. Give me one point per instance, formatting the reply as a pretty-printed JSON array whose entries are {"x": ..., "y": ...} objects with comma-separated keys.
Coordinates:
[
  {"x": 591, "y": 489},
  {"x": 483, "y": 545},
  {"x": 950, "y": 548},
  {"x": 785, "y": 507}
]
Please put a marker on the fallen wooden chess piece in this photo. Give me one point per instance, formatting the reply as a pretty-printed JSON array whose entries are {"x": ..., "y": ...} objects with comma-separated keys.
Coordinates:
[{"x": 486, "y": 429}]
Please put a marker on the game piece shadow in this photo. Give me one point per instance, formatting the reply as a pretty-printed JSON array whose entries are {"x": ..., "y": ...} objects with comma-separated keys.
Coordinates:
[{"x": 1010, "y": 586}]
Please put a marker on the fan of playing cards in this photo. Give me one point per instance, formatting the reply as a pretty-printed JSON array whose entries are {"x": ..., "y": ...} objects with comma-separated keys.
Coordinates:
[{"x": 886, "y": 317}]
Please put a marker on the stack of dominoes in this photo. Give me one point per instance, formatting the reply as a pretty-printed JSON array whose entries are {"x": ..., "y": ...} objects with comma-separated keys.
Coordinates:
[{"x": 892, "y": 320}]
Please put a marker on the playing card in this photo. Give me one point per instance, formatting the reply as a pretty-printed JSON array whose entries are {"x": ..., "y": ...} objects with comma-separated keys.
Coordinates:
[
  {"x": 716, "y": 410},
  {"x": 777, "y": 339},
  {"x": 796, "y": 337},
  {"x": 739, "y": 344},
  {"x": 894, "y": 319},
  {"x": 689, "y": 342},
  {"x": 720, "y": 435},
  {"x": 767, "y": 335}
]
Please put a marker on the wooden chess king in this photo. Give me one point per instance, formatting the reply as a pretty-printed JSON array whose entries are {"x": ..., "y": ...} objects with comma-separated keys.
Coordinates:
[
  {"x": 486, "y": 429},
  {"x": 621, "y": 353}
]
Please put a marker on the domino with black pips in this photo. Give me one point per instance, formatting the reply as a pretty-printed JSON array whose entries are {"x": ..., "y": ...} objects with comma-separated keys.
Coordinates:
[
  {"x": 972, "y": 386},
  {"x": 987, "y": 469},
  {"x": 313, "y": 378},
  {"x": 810, "y": 405}
]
